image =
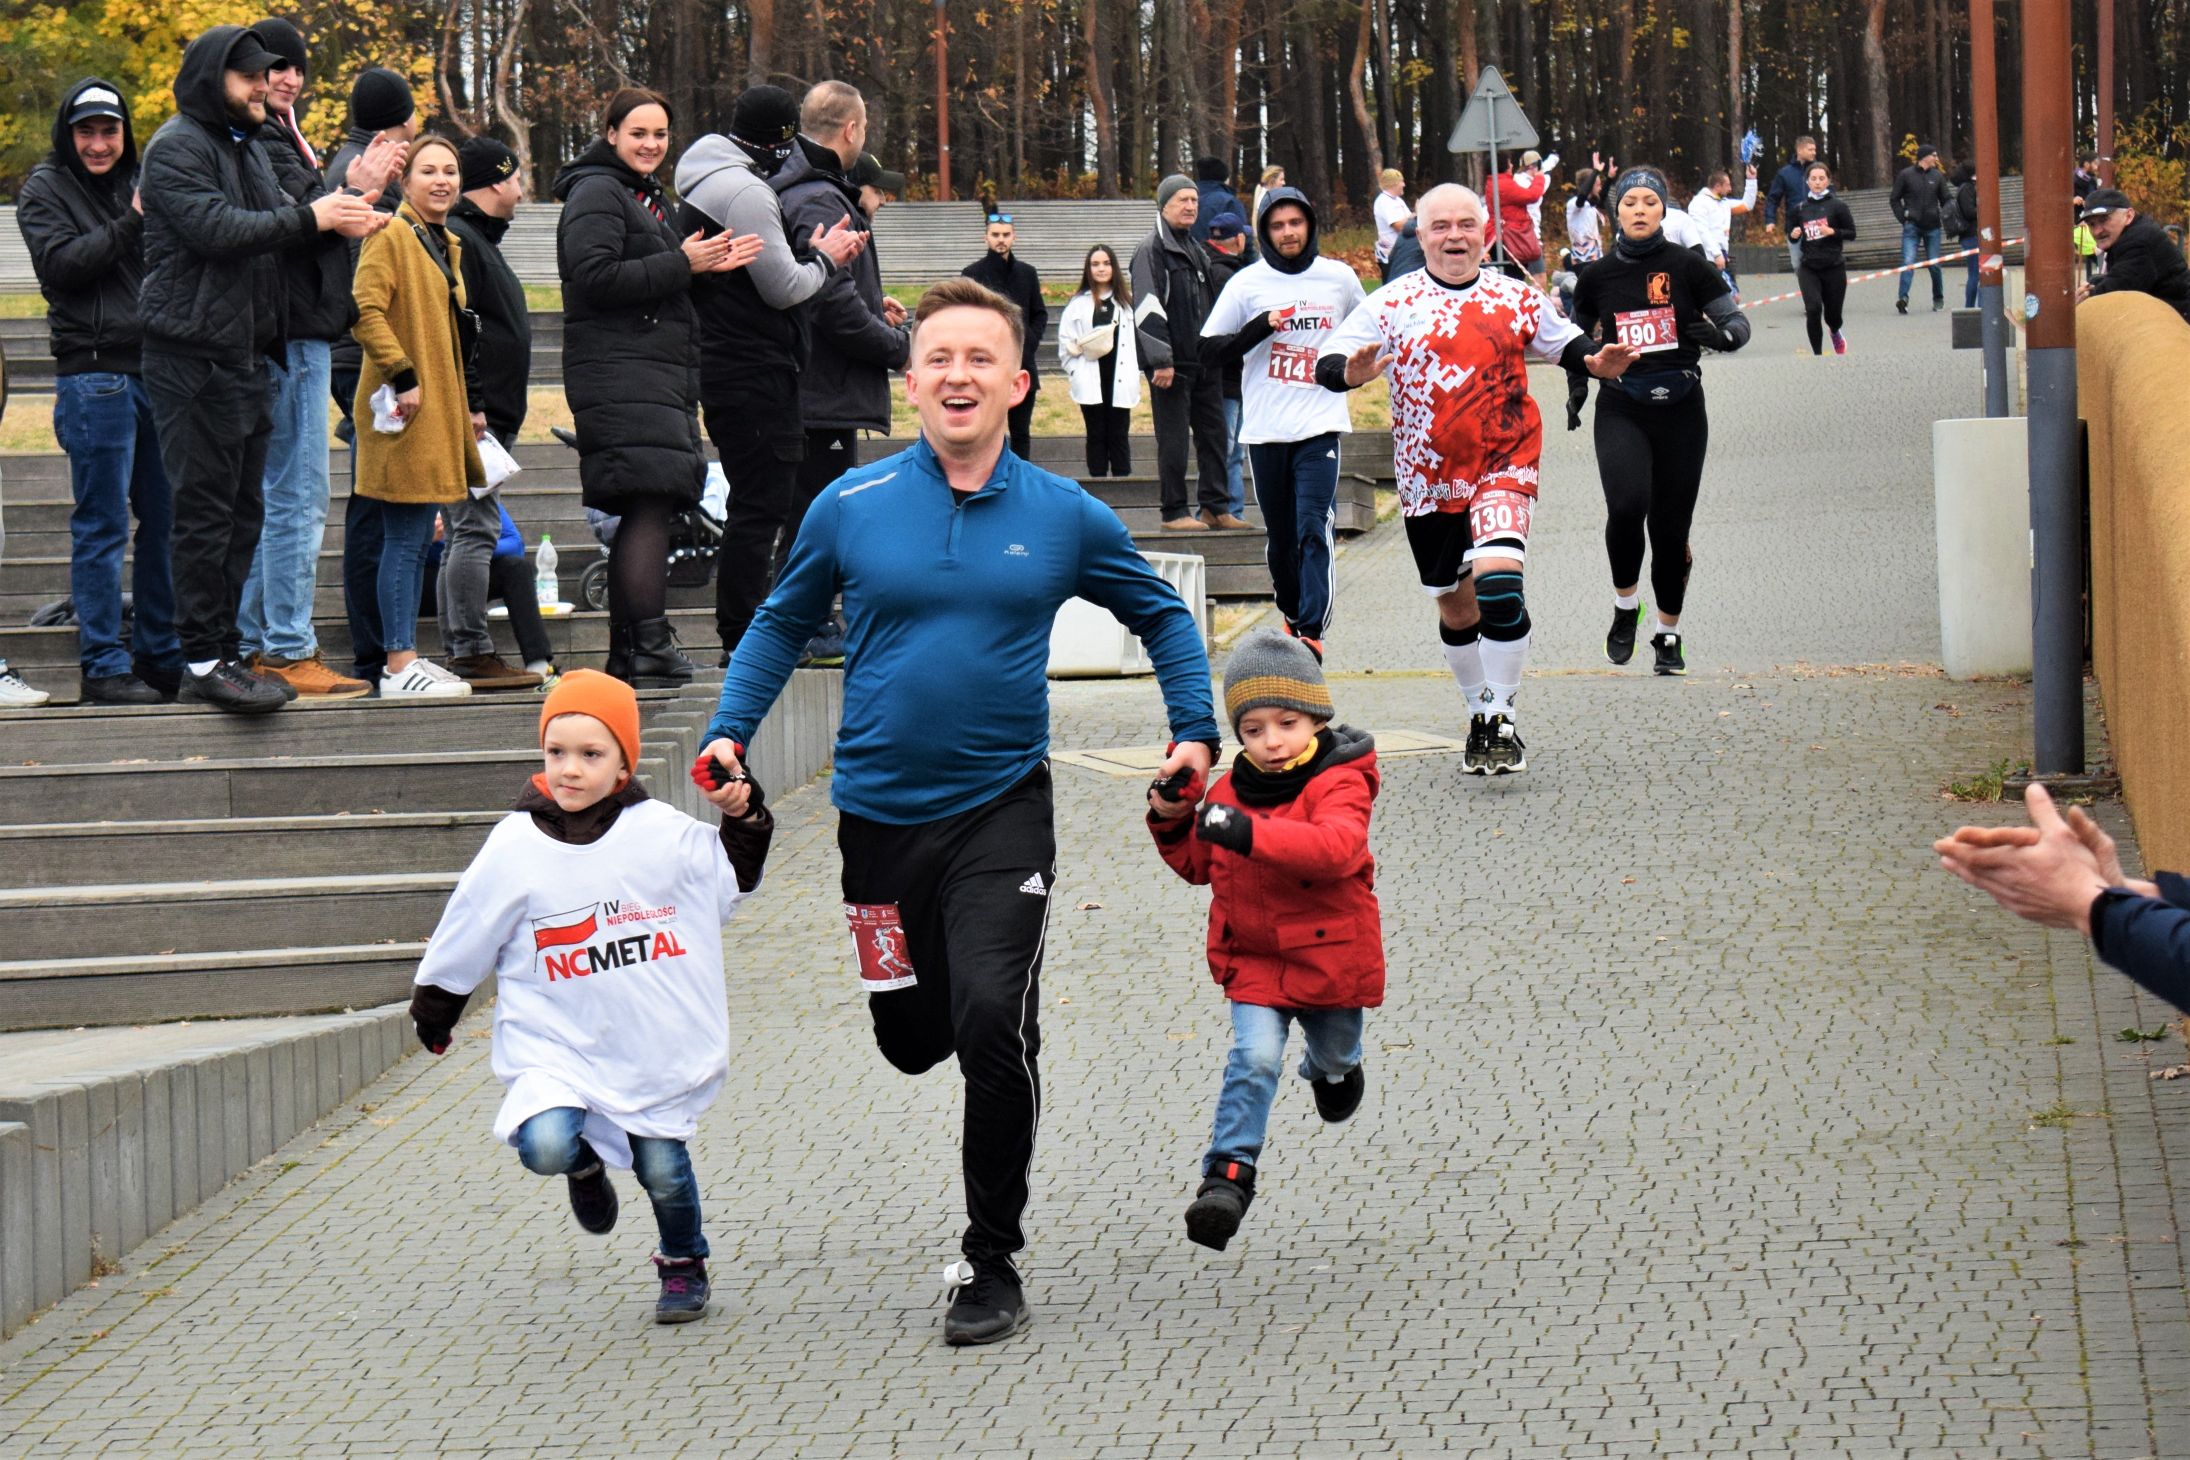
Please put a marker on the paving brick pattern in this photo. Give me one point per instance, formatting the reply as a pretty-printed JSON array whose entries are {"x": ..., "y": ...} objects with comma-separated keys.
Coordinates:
[{"x": 1702, "y": 1119}]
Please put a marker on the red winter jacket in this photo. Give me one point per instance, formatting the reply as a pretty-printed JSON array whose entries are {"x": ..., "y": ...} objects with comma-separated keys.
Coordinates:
[
  {"x": 1515, "y": 193},
  {"x": 1294, "y": 923}
]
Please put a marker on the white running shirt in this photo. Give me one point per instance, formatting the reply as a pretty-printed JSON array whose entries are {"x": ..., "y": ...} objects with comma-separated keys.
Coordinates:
[
  {"x": 1715, "y": 216},
  {"x": 1279, "y": 397},
  {"x": 1391, "y": 215},
  {"x": 608, "y": 970}
]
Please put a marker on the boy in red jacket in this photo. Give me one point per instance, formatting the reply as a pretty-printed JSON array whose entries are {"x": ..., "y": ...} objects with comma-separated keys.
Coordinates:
[{"x": 1283, "y": 843}]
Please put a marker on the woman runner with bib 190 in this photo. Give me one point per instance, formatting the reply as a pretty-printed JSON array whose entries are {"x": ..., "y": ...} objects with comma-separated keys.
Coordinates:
[{"x": 1651, "y": 431}]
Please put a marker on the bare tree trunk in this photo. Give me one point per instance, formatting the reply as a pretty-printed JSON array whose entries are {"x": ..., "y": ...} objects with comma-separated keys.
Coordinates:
[
  {"x": 760, "y": 54},
  {"x": 448, "y": 76},
  {"x": 1098, "y": 95},
  {"x": 1360, "y": 101},
  {"x": 1018, "y": 94},
  {"x": 1624, "y": 128},
  {"x": 1471, "y": 55},
  {"x": 1737, "y": 111},
  {"x": 515, "y": 121},
  {"x": 1387, "y": 110},
  {"x": 1875, "y": 88},
  {"x": 1226, "y": 111}
]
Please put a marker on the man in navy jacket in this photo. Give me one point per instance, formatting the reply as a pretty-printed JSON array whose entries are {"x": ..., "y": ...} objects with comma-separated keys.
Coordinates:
[{"x": 953, "y": 557}]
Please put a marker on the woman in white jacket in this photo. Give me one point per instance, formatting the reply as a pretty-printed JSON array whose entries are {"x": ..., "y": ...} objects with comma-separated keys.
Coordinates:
[{"x": 1095, "y": 345}]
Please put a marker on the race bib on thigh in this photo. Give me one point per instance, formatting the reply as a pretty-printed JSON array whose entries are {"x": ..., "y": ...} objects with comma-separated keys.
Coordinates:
[
  {"x": 878, "y": 936},
  {"x": 1499, "y": 515}
]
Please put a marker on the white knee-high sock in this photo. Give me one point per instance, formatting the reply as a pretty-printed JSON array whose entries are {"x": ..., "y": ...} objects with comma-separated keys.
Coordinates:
[
  {"x": 1466, "y": 663},
  {"x": 1503, "y": 661}
]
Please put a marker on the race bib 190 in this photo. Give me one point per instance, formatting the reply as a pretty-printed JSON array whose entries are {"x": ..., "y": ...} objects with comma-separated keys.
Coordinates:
[
  {"x": 1292, "y": 364},
  {"x": 1648, "y": 330},
  {"x": 878, "y": 933}
]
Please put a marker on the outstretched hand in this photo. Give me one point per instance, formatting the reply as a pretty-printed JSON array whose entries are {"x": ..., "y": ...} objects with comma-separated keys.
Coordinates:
[
  {"x": 1368, "y": 362},
  {"x": 2047, "y": 872},
  {"x": 1612, "y": 361}
]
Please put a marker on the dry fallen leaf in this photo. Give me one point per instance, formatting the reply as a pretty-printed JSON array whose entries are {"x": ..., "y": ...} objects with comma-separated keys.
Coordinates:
[{"x": 1089, "y": 907}]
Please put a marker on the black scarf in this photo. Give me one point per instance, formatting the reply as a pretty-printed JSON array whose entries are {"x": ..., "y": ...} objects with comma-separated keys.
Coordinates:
[
  {"x": 1639, "y": 248},
  {"x": 1257, "y": 787},
  {"x": 577, "y": 828}
]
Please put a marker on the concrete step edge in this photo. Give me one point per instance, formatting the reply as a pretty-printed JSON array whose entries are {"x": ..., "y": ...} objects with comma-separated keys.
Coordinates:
[
  {"x": 143, "y": 964},
  {"x": 136, "y": 894},
  {"x": 254, "y": 825}
]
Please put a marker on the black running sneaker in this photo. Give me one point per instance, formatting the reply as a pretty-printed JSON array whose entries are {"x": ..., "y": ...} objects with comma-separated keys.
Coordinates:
[
  {"x": 593, "y": 1198},
  {"x": 1220, "y": 1204},
  {"x": 1619, "y": 640},
  {"x": 231, "y": 687},
  {"x": 1475, "y": 757},
  {"x": 1337, "y": 1100},
  {"x": 1504, "y": 754},
  {"x": 684, "y": 1289},
  {"x": 987, "y": 1302},
  {"x": 1670, "y": 659}
]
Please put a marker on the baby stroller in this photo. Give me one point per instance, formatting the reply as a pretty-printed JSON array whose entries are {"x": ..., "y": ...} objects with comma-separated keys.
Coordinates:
[{"x": 695, "y": 538}]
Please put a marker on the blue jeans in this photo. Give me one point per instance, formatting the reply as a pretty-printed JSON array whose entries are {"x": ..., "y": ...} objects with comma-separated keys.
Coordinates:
[
  {"x": 1296, "y": 485},
  {"x": 276, "y": 614},
  {"x": 103, "y": 421},
  {"x": 1333, "y": 1047},
  {"x": 1236, "y": 458},
  {"x": 1915, "y": 240},
  {"x": 402, "y": 532},
  {"x": 552, "y": 1143}
]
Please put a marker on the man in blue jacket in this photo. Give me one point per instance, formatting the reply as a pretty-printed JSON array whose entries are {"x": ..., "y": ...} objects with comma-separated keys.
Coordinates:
[
  {"x": 1790, "y": 186},
  {"x": 953, "y": 557}
]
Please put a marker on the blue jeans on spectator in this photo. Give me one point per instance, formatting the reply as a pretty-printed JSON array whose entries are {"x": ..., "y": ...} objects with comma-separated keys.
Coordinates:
[
  {"x": 1234, "y": 483},
  {"x": 552, "y": 1143},
  {"x": 1333, "y": 1047},
  {"x": 1969, "y": 290},
  {"x": 1925, "y": 240},
  {"x": 404, "y": 531},
  {"x": 276, "y": 615},
  {"x": 103, "y": 420}
]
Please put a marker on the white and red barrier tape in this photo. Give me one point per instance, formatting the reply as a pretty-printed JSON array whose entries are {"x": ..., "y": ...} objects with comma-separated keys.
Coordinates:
[{"x": 1945, "y": 258}]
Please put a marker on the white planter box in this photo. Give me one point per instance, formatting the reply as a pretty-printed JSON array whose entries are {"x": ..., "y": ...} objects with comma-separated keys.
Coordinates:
[{"x": 1087, "y": 642}]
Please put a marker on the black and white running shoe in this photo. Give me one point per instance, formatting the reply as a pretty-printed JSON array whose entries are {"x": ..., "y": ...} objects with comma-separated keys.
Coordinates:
[
  {"x": 1505, "y": 752},
  {"x": 1475, "y": 758},
  {"x": 1619, "y": 641},
  {"x": 1668, "y": 649}
]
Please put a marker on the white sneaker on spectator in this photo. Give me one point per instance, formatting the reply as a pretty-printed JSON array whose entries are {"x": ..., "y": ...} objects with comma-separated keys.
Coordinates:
[
  {"x": 15, "y": 694},
  {"x": 421, "y": 679}
]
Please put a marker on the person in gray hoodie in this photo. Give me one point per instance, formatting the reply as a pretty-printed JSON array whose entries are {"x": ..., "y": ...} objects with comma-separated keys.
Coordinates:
[{"x": 753, "y": 337}]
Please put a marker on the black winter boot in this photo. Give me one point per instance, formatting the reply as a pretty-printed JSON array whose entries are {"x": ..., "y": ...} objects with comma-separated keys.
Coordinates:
[
  {"x": 656, "y": 661},
  {"x": 618, "y": 665},
  {"x": 1221, "y": 1203}
]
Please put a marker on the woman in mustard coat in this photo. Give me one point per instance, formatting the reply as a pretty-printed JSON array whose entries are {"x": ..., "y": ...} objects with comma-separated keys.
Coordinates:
[{"x": 409, "y": 291}]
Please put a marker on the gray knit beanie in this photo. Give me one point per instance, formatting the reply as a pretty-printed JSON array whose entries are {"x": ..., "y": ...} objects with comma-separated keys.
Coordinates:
[
  {"x": 1177, "y": 182},
  {"x": 1271, "y": 671}
]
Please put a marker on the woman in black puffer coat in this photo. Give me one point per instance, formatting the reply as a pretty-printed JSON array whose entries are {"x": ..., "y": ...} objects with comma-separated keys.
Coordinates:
[{"x": 631, "y": 366}]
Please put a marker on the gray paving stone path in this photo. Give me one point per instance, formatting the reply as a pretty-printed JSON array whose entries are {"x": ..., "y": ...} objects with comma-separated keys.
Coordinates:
[{"x": 1705, "y": 1116}]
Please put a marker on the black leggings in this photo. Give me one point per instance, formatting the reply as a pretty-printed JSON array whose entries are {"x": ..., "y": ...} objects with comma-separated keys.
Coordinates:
[
  {"x": 638, "y": 565},
  {"x": 1822, "y": 292},
  {"x": 1650, "y": 460}
]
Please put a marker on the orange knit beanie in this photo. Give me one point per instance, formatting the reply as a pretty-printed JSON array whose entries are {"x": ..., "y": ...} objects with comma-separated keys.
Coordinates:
[{"x": 606, "y": 699}]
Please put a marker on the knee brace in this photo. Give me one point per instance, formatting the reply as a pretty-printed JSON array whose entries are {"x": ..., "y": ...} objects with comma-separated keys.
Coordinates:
[
  {"x": 1458, "y": 637},
  {"x": 1504, "y": 606}
]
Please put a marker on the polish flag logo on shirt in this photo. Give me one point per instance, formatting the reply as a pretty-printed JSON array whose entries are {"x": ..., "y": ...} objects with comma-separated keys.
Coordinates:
[{"x": 563, "y": 930}]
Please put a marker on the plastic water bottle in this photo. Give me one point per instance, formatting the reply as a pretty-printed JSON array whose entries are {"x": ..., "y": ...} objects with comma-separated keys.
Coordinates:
[{"x": 544, "y": 585}]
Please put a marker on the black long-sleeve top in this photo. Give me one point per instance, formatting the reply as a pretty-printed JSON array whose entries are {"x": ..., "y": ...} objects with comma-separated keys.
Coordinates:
[{"x": 2147, "y": 938}]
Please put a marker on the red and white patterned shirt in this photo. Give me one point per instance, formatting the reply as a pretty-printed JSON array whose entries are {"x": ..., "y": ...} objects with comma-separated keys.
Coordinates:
[{"x": 1462, "y": 418}]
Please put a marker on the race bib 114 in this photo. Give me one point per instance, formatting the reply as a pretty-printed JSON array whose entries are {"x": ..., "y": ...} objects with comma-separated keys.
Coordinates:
[{"x": 1292, "y": 364}]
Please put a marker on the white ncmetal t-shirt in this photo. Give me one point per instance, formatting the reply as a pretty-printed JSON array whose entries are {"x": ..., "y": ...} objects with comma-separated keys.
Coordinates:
[
  {"x": 1279, "y": 397},
  {"x": 608, "y": 967}
]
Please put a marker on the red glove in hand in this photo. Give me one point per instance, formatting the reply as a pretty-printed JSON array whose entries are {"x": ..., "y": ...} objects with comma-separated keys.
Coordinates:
[
  {"x": 710, "y": 774},
  {"x": 1184, "y": 786}
]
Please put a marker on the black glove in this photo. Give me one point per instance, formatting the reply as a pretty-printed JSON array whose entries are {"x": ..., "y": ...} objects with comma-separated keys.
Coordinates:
[
  {"x": 1577, "y": 396},
  {"x": 1227, "y": 827},
  {"x": 434, "y": 1011}
]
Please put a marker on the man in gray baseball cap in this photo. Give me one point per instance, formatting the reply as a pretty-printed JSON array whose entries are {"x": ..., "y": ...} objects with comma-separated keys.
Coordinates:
[{"x": 2140, "y": 257}]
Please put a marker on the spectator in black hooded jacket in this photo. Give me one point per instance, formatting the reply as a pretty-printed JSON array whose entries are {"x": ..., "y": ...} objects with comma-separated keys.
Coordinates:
[
  {"x": 215, "y": 315},
  {"x": 381, "y": 110},
  {"x": 79, "y": 215},
  {"x": 1014, "y": 278},
  {"x": 275, "y": 619}
]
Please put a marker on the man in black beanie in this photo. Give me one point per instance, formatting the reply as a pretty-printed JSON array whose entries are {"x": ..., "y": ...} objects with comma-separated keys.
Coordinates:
[
  {"x": 275, "y": 618},
  {"x": 753, "y": 341},
  {"x": 217, "y": 225},
  {"x": 380, "y": 108},
  {"x": 472, "y": 524}
]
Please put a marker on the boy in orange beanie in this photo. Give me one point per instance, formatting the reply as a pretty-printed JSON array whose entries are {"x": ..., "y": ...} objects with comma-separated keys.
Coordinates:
[{"x": 599, "y": 911}]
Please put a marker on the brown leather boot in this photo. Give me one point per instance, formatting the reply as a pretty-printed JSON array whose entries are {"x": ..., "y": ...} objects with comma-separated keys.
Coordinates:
[{"x": 491, "y": 672}]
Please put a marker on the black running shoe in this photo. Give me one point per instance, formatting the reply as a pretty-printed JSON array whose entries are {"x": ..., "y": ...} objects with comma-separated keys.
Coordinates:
[
  {"x": 987, "y": 1302},
  {"x": 1504, "y": 754},
  {"x": 1668, "y": 649},
  {"x": 1619, "y": 640},
  {"x": 1220, "y": 1205},
  {"x": 231, "y": 687},
  {"x": 1901, "y": 305},
  {"x": 684, "y": 1289},
  {"x": 1475, "y": 758},
  {"x": 1337, "y": 1100},
  {"x": 593, "y": 1199}
]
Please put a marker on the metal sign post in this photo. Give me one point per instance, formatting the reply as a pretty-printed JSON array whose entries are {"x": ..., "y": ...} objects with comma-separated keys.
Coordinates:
[{"x": 1492, "y": 122}]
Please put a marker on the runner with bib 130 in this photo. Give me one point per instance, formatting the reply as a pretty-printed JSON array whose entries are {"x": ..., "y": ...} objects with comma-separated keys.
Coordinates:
[
  {"x": 1466, "y": 439},
  {"x": 1665, "y": 302}
]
